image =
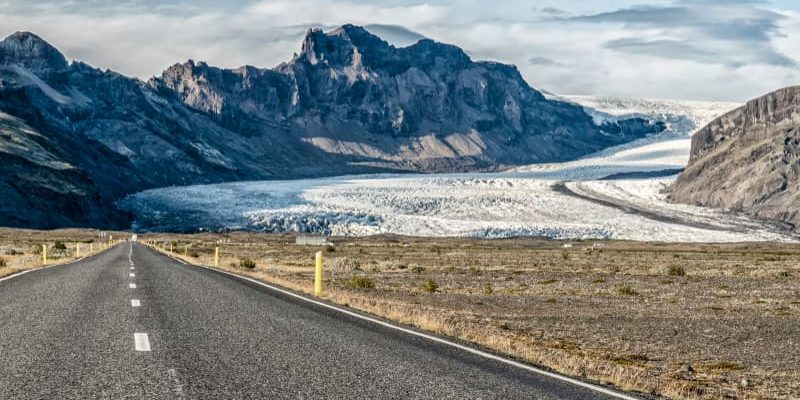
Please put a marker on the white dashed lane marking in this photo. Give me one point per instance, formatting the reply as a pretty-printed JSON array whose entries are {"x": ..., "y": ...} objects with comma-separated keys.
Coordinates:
[
  {"x": 142, "y": 341},
  {"x": 136, "y": 303},
  {"x": 132, "y": 275},
  {"x": 132, "y": 286}
]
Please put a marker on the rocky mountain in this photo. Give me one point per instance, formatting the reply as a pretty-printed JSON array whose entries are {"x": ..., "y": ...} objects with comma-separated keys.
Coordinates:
[
  {"x": 426, "y": 107},
  {"x": 748, "y": 160},
  {"x": 75, "y": 139}
]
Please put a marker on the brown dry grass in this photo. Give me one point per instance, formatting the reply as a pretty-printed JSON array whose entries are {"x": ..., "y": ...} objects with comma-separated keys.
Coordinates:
[
  {"x": 22, "y": 249},
  {"x": 630, "y": 314}
]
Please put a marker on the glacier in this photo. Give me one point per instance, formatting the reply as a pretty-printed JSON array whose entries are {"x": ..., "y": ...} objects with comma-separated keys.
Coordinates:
[{"x": 615, "y": 194}]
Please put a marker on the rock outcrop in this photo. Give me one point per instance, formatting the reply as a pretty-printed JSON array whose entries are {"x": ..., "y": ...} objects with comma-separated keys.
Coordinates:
[
  {"x": 748, "y": 160},
  {"x": 75, "y": 139}
]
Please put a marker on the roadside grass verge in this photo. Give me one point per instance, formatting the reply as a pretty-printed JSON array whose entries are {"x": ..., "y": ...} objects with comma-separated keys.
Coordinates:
[
  {"x": 610, "y": 317},
  {"x": 21, "y": 249}
]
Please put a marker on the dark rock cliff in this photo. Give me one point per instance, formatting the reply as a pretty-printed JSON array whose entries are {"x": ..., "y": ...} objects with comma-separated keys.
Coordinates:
[{"x": 748, "y": 160}]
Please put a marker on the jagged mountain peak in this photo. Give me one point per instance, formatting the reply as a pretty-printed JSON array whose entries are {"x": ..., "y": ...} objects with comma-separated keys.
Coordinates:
[
  {"x": 343, "y": 46},
  {"x": 27, "y": 37},
  {"x": 355, "y": 32},
  {"x": 32, "y": 52},
  {"x": 356, "y": 47}
]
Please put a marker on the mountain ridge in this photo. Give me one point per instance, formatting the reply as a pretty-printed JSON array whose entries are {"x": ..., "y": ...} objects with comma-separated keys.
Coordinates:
[{"x": 349, "y": 102}]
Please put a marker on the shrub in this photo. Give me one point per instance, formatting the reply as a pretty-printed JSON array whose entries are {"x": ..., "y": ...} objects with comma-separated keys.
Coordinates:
[
  {"x": 626, "y": 290},
  {"x": 635, "y": 359},
  {"x": 59, "y": 245},
  {"x": 565, "y": 254},
  {"x": 473, "y": 270},
  {"x": 487, "y": 288},
  {"x": 342, "y": 265},
  {"x": 247, "y": 263},
  {"x": 2, "y": 262},
  {"x": 676, "y": 270},
  {"x": 194, "y": 254},
  {"x": 430, "y": 286},
  {"x": 12, "y": 252},
  {"x": 418, "y": 270},
  {"x": 361, "y": 282},
  {"x": 330, "y": 249},
  {"x": 724, "y": 366}
]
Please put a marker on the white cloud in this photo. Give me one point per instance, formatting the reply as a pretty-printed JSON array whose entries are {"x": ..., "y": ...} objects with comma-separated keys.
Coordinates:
[{"x": 141, "y": 41}]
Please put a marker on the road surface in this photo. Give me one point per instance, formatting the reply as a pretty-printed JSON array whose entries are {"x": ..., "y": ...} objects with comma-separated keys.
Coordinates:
[{"x": 130, "y": 323}]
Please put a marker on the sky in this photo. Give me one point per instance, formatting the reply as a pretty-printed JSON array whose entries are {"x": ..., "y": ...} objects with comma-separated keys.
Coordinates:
[{"x": 727, "y": 50}]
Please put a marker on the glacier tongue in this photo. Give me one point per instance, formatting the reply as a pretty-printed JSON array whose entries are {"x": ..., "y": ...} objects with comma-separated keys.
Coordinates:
[
  {"x": 467, "y": 205},
  {"x": 525, "y": 201}
]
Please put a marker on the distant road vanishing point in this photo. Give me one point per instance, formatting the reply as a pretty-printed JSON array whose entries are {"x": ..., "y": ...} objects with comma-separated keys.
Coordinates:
[{"x": 130, "y": 323}]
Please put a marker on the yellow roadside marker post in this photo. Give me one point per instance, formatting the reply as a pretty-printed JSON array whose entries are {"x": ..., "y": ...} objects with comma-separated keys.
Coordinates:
[
  {"x": 170, "y": 248},
  {"x": 44, "y": 254},
  {"x": 216, "y": 257},
  {"x": 318, "y": 276},
  {"x": 77, "y": 250},
  {"x": 186, "y": 251}
]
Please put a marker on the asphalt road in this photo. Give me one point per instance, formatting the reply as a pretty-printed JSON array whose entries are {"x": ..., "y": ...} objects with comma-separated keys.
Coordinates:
[{"x": 70, "y": 332}]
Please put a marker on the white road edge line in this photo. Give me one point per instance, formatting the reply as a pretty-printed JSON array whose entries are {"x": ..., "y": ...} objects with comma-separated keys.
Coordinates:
[
  {"x": 141, "y": 341},
  {"x": 178, "y": 260},
  {"x": 132, "y": 286},
  {"x": 20, "y": 273},
  {"x": 14, "y": 275},
  {"x": 477, "y": 352},
  {"x": 136, "y": 303}
]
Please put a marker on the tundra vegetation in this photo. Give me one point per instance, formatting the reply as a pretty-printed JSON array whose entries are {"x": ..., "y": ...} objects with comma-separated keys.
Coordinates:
[{"x": 670, "y": 320}]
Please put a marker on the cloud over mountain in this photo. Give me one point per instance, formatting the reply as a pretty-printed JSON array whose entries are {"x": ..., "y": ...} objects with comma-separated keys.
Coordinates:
[
  {"x": 731, "y": 33},
  {"x": 708, "y": 49}
]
